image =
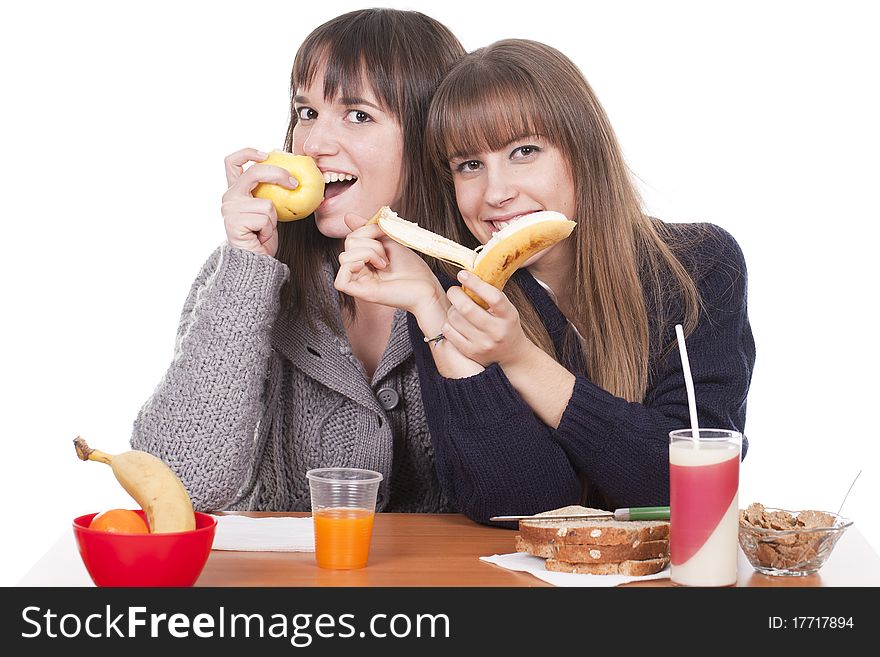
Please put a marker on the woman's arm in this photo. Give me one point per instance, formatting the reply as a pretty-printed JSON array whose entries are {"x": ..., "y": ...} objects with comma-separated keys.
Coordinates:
[
  {"x": 623, "y": 447},
  {"x": 450, "y": 362},
  {"x": 377, "y": 269},
  {"x": 201, "y": 417},
  {"x": 544, "y": 384},
  {"x": 495, "y": 335},
  {"x": 493, "y": 455}
]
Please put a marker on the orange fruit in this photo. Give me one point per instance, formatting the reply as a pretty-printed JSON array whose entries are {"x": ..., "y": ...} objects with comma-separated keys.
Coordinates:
[{"x": 119, "y": 521}]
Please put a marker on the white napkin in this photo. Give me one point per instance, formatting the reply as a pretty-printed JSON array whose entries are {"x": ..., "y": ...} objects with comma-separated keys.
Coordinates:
[
  {"x": 272, "y": 534},
  {"x": 527, "y": 563}
]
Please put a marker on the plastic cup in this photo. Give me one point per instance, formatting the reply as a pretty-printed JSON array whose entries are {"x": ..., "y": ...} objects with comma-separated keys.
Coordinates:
[
  {"x": 343, "y": 506},
  {"x": 703, "y": 506}
]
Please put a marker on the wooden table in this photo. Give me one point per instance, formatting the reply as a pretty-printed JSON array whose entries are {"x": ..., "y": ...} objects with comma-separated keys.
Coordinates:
[{"x": 435, "y": 550}]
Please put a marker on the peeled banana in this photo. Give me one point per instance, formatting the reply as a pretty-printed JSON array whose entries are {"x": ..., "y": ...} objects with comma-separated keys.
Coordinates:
[
  {"x": 151, "y": 483},
  {"x": 494, "y": 262}
]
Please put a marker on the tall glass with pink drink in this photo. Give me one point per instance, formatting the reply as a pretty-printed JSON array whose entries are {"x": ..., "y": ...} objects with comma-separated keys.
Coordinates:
[{"x": 703, "y": 506}]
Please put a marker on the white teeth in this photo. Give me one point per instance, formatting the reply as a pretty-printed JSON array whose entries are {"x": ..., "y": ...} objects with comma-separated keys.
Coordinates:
[
  {"x": 501, "y": 224},
  {"x": 332, "y": 176}
]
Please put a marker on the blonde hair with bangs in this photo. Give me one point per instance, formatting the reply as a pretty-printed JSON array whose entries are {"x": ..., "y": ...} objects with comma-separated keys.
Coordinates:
[{"x": 626, "y": 273}]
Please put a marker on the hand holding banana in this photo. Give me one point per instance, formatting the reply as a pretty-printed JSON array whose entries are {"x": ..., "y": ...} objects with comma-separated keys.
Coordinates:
[
  {"x": 151, "y": 483},
  {"x": 485, "y": 335},
  {"x": 481, "y": 323},
  {"x": 494, "y": 262},
  {"x": 377, "y": 269}
]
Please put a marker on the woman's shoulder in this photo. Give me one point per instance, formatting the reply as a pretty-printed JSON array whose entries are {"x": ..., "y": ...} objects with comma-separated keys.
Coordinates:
[
  {"x": 704, "y": 248},
  {"x": 714, "y": 261}
]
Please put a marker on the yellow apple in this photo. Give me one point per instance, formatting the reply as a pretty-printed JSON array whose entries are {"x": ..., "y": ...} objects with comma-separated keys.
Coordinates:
[{"x": 299, "y": 203}]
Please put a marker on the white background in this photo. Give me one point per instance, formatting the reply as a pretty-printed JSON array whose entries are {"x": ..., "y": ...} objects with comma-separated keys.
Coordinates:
[{"x": 761, "y": 118}]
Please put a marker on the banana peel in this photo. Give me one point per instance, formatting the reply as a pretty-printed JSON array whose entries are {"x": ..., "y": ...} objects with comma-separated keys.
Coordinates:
[{"x": 494, "y": 262}]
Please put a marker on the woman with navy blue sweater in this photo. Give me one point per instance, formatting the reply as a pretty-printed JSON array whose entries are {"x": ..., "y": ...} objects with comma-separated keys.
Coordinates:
[{"x": 565, "y": 388}]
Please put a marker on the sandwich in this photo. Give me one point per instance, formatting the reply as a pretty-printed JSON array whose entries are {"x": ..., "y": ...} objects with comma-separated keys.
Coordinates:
[
  {"x": 596, "y": 547},
  {"x": 494, "y": 262}
]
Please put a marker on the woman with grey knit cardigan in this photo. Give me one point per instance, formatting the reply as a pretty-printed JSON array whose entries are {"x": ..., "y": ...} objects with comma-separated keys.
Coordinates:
[{"x": 274, "y": 372}]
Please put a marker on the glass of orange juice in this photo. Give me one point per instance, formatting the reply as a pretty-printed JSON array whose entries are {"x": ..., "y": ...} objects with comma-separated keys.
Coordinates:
[{"x": 343, "y": 506}]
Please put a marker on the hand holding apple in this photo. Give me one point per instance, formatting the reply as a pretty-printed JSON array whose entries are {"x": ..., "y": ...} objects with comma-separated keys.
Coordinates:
[
  {"x": 251, "y": 223},
  {"x": 300, "y": 202}
]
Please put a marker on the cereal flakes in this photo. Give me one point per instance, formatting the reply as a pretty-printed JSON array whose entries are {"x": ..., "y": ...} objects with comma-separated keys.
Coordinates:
[{"x": 783, "y": 551}]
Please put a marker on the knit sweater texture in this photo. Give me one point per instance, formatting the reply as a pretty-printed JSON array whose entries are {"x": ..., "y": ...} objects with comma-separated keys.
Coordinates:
[
  {"x": 251, "y": 402},
  {"x": 495, "y": 457}
]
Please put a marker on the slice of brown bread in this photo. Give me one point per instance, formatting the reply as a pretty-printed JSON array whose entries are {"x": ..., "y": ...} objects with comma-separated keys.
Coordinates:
[
  {"x": 631, "y": 568},
  {"x": 591, "y": 532},
  {"x": 595, "y": 553}
]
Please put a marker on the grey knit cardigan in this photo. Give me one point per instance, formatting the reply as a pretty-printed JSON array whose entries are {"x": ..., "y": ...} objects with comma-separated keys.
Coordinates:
[{"x": 248, "y": 404}]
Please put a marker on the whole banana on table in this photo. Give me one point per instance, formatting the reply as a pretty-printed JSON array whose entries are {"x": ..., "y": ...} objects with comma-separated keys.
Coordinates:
[{"x": 151, "y": 483}]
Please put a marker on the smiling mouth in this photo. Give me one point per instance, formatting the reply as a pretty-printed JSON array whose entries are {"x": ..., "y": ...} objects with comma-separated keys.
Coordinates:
[
  {"x": 337, "y": 183},
  {"x": 495, "y": 226}
]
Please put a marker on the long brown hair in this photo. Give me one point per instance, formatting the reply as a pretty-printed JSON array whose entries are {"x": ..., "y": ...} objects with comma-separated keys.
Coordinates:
[
  {"x": 402, "y": 56},
  {"x": 625, "y": 270}
]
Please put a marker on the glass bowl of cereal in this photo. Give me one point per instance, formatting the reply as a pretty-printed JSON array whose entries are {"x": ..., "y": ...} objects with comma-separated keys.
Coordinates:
[{"x": 788, "y": 543}]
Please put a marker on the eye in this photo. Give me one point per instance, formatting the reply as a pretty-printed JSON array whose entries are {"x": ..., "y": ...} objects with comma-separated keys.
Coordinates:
[
  {"x": 358, "y": 116},
  {"x": 305, "y": 113},
  {"x": 523, "y": 152},
  {"x": 468, "y": 166}
]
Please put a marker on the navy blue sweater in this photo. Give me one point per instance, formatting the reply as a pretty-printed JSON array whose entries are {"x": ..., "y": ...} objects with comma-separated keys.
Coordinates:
[{"x": 494, "y": 456}]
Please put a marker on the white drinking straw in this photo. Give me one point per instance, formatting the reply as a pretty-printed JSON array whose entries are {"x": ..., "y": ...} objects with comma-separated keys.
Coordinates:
[{"x": 689, "y": 384}]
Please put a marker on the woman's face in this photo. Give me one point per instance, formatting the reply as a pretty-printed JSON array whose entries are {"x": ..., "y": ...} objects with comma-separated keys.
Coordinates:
[
  {"x": 355, "y": 143},
  {"x": 528, "y": 175}
]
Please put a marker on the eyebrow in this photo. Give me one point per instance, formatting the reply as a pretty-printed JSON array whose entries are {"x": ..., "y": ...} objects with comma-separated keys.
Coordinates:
[{"x": 343, "y": 100}]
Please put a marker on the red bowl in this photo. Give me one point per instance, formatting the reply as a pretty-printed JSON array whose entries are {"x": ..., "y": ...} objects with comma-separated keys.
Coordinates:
[{"x": 173, "y": 559}]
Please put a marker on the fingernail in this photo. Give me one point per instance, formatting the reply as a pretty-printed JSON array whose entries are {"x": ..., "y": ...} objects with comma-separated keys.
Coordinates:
[
  {"x": 383, "y": 262},
  {"x": 294, "y": 182},
  {"x": 262, "y": 155},
  {"x": 463, "y": 275}
]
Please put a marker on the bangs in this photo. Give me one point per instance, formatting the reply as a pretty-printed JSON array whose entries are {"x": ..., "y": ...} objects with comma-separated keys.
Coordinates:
[
  {"x": 473, "y": 115},
  {"x": 351, "y": 62}
]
